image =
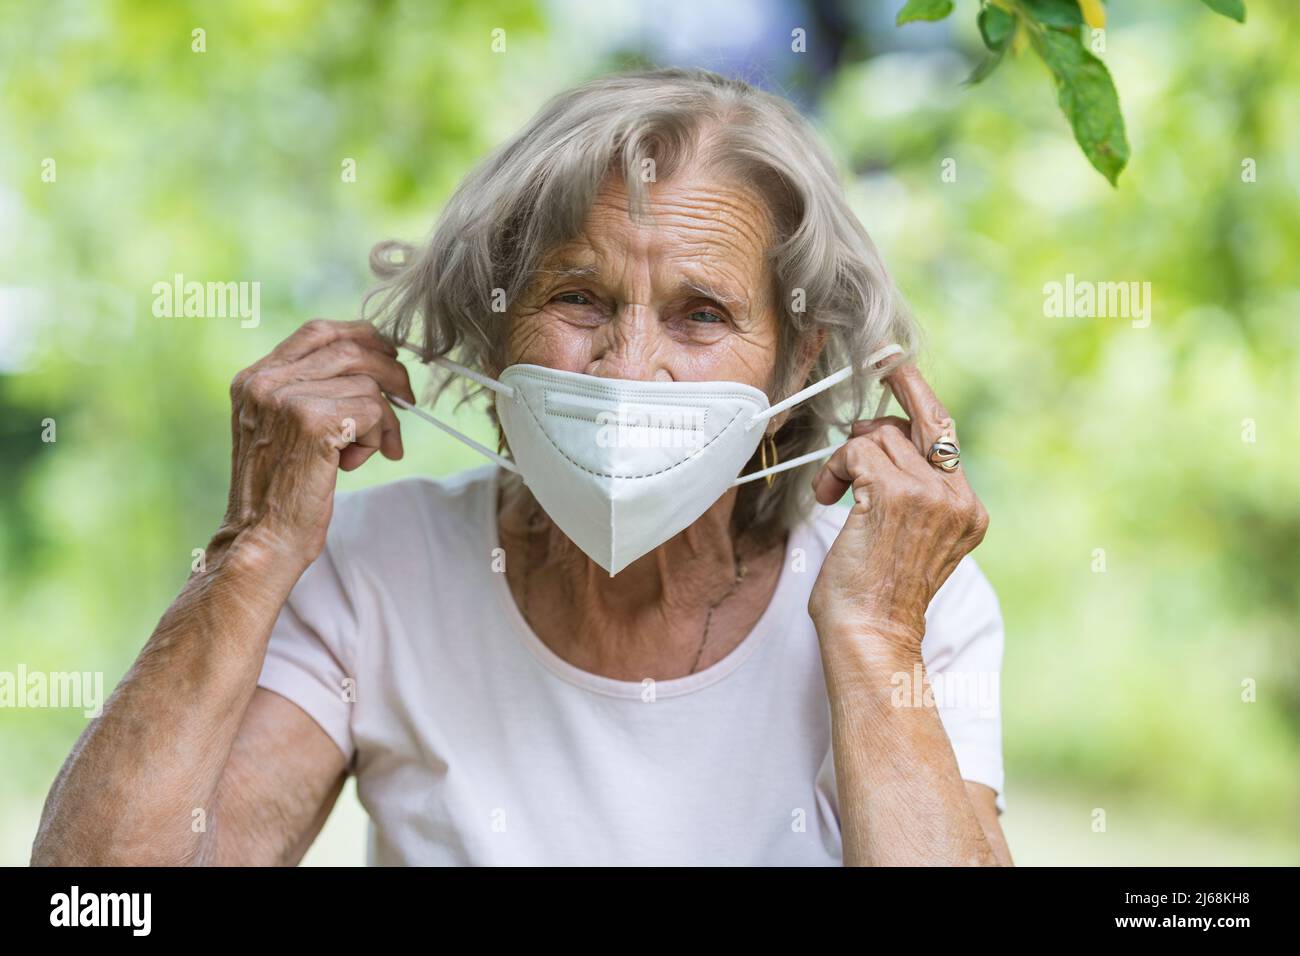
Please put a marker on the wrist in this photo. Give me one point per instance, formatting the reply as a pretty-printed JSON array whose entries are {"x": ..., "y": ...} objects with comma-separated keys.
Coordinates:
[
  {"x": 261, "y": 559},
  {"x": 868, "y": 671},
  {"x": 870, "y": 644}
]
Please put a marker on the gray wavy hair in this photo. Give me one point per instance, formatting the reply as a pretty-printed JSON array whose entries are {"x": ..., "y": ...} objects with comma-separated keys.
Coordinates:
[{"x": 534, "y": 192}]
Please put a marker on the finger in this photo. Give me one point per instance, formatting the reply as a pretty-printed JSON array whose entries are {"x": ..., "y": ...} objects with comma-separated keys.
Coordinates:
[
  {"x": 391, "y": 443},
  {"x": 354, "y": 456},
  {"x": 377, "y": 429},
  {"x": 867, "y": 425},
  {"x": 892, "y": 434},
  {"x": 318, "y": 333},
  {"x": 896, "y": 443},
  {"x": 345, "y": 357},
  {"x": 856, "y": 463},
  {"x": 386, "y": 431},
  {"x": 357, "y": 413},
  {"x": 330, "y": 389},
  {"x": 923, "y": 407}
]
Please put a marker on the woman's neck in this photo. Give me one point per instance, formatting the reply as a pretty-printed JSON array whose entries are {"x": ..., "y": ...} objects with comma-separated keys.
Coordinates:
[{"x": 650, "y": 620}]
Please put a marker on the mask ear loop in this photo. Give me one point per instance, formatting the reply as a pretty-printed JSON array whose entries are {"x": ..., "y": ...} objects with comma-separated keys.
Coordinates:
[
  {"x": 886, "y": 393},
  {"x": 499, "y": 387},
  {"x": 818, "y": 387},
  {"x": 483, "y": 380},
  {"x": 875, "y": 357}
]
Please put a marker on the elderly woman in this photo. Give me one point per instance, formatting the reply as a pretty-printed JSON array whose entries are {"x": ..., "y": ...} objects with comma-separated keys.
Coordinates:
[{"x": 632, "y": 637}]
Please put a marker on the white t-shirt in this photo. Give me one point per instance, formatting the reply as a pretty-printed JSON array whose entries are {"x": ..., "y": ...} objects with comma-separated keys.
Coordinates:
[{"x": 474, "y": 743}]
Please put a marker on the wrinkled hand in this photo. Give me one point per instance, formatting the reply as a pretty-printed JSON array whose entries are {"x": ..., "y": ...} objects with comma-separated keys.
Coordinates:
[
  {"x": 910, "y": 525},
  {"x": 314, "y": 405}
]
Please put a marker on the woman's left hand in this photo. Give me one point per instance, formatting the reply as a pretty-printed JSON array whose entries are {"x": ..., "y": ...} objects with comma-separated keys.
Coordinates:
[{"x": 910, "y": 525}]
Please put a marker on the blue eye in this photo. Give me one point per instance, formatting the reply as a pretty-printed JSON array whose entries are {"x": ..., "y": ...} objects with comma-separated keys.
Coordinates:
[{"x": 706, "y": 316}]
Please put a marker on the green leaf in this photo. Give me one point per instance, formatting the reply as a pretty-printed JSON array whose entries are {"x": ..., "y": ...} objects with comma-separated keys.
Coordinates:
[
  {"x": 1235, "y": 9},
  {"x": 985, "y": 67},
  {"x": 997, "y": 27},
  {"x": 1087, "y": 97},
  {"x": 1054, "y": 13},
  {"x": 923, "y": 10}
]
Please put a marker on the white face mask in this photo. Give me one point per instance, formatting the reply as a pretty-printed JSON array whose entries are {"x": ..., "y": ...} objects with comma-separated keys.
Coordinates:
[{"x": 621, "y": 466}]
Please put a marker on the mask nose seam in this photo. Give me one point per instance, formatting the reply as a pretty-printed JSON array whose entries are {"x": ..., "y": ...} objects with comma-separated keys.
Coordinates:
[
  {"x": 542, "y": 428},
  {"x": 613, "y": 542},
  {"x": 617, "y": 391}
]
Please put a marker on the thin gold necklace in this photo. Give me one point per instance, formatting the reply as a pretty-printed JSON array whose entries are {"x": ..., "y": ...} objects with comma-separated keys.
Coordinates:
[
  {"x": 741, "y": 571},
  {"x": 708, "y": 618}
]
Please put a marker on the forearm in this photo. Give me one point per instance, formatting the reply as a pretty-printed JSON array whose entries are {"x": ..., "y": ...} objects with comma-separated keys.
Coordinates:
[
  {"x": 129, "y": 791},
  {"x": 902, "y": 800}
]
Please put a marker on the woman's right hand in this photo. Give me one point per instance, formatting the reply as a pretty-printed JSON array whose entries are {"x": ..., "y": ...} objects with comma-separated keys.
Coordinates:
[
  {"x": 255, "y": 759},
  {"x": 312, "y": 406}
]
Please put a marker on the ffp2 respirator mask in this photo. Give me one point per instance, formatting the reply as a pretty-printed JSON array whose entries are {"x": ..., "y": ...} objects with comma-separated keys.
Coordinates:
[{"x": 621, "y": 465}]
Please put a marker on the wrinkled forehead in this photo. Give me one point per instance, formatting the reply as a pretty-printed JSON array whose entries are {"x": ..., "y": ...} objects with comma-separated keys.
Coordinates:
[{"x": 697, "y": 230}]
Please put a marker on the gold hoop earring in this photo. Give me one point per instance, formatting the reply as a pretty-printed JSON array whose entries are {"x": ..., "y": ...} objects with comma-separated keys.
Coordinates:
[{"x": 769, "y": 441}]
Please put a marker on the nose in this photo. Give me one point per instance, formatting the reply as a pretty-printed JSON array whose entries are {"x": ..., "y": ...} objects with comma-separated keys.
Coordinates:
[{"x": 631, "y": 346}]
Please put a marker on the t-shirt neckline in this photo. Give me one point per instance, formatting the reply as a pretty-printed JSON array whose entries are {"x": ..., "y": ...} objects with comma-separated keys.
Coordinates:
[{"x": 769, "y": 620}]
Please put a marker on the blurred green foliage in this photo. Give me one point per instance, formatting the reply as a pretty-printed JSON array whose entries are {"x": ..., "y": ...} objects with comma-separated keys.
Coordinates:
[{"x": 1080, "y": 433}]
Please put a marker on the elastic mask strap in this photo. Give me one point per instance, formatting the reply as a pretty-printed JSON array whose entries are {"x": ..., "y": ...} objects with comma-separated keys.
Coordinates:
[
  {"x": 819, "y": 387},
  {"x": 483, "y": 380},
  {"x": 811, "y": 390},
  {"x": 787, "y": 465}
]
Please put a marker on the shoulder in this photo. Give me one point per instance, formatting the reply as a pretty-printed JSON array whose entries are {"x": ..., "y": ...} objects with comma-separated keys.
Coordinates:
[
  {"x": 964, "y": 627},
  {"x": 399, "y": 522}
]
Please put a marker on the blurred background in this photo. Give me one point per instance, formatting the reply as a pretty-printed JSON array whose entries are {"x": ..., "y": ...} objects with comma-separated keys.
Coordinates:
[{"x": 1142, "y": 481}]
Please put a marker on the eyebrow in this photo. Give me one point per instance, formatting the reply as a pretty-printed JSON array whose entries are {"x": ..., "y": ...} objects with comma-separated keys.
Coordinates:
[
  {"x": 570, "y": 272},
  {"x": 707, "y": 291},
  {"x": 688, "y": 286}
]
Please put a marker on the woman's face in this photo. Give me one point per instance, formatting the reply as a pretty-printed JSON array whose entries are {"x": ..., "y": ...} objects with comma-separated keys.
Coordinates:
[{"x": 684, "y": 295}]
